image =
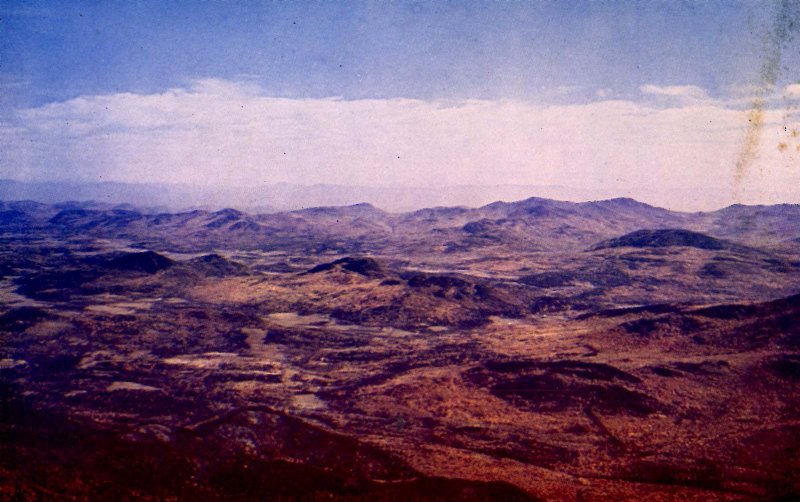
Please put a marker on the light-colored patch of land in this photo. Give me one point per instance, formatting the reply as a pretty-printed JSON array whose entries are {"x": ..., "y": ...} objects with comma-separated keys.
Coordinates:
[
  {"x": 121, "y": 308},
  {"x": 307, "y": 402},
  {"x": 131, "y": 386}
]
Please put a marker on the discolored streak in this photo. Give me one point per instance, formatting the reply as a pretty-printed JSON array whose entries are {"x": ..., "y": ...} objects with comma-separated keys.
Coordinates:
[
  {"x": 786, "y": 24},
  {"x": 752, "y": 139}
]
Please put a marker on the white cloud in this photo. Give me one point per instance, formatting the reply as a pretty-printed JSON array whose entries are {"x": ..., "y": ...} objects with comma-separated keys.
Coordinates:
[
  {"x": 219, "y": 132},
  {"x": 792, "y": 90},
  {"x": 603, "y": 93},
  {"x": 675, "y": 91}
]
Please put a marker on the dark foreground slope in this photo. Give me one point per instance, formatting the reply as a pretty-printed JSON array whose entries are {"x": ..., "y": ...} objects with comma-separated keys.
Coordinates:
[{"x": 69, "y": 458}]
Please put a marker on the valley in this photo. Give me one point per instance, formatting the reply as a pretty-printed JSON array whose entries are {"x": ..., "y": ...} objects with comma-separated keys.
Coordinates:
[{"x": 531, "y": 350}]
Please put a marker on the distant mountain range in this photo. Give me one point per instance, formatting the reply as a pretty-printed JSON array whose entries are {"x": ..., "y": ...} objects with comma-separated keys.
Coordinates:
[
  {"x": 529, "y": 225},
  {"x": 267, "y": 198}
]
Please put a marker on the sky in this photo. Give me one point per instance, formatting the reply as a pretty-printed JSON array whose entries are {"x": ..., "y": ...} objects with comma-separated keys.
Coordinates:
[{"x": 643, "y": 99}]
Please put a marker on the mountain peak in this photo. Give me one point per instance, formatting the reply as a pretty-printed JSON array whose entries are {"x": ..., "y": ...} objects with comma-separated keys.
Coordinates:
[{"x": 620, "y": 202}]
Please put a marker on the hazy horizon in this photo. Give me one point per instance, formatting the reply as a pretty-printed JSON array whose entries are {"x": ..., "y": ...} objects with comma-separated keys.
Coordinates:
[
  {"x": 684, "y": 105},
  {"x": 177, "y": 197}
]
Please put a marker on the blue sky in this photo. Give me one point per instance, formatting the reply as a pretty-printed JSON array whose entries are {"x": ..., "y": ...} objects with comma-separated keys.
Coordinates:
[
  {"x": 381, "y": 49},
  {"x": 325, "y": 70}
]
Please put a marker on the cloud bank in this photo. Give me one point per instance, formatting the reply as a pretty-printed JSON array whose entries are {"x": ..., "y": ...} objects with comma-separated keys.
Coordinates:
[{"x": 217, "y": 132}]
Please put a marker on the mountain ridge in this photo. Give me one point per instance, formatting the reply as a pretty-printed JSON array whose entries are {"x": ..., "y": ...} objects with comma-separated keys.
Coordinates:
[
  {"x": 273, "y": 197},
  {"x": 530, "y": 224}
]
